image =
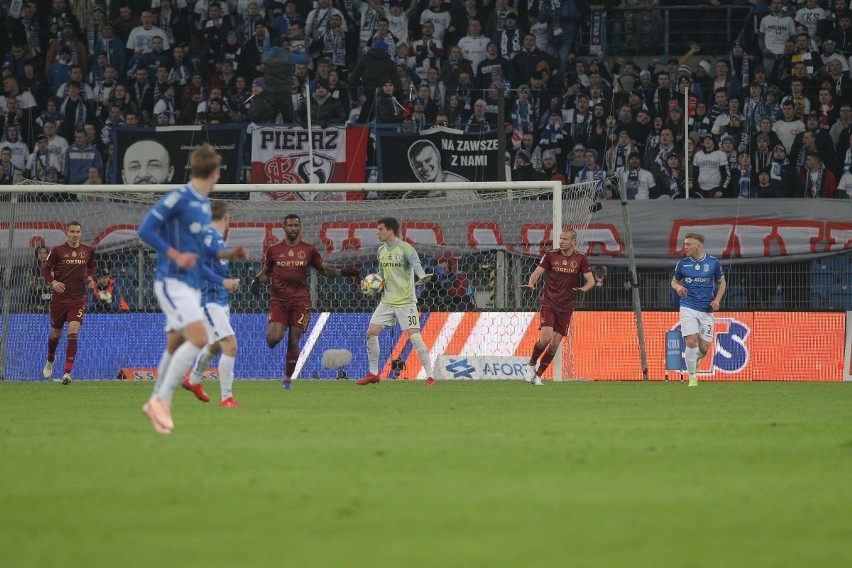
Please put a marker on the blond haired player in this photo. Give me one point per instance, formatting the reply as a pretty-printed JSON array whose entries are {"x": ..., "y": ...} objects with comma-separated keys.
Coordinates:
[{"x": 566, "y": 269}]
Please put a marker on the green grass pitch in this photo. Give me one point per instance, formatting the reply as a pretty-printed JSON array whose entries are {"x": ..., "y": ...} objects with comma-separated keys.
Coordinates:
[{"x": 467, "y": 474}]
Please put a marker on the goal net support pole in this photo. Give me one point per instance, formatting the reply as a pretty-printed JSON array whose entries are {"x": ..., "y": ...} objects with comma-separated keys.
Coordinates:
[{"x": 634, "y": 278}]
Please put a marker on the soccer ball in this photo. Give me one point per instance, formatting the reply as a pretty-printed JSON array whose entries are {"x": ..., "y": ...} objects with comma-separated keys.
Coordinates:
[
  {"x": 371, "y": 284},
  {"x": 105, "y": 296}
]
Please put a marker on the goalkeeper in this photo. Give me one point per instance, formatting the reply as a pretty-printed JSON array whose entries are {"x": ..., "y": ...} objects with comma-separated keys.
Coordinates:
[{"x": 399, "y": 263}]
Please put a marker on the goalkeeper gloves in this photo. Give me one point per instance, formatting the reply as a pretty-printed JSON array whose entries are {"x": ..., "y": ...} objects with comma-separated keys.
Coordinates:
[
  {"x": 255, "y": 285},
  {"x": 347, "y": 272},
  {"x": 426, "y": 279}
]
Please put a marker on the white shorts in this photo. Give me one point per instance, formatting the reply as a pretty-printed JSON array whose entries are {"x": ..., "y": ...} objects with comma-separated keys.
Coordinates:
[
  {"x": 694, "y": 322},
  {"x": 180, "y": 302},
  {"x": 217, "y": 320},
  {"x": 386, "y": 316}
]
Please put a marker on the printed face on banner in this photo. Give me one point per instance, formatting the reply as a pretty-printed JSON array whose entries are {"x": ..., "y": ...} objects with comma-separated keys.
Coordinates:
[{"x": 146, "y": 161}]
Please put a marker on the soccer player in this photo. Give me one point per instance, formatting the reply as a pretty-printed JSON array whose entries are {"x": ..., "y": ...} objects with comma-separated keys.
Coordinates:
[
  {"x": 175, "y": 227},
  {"x": 285, "y": 269},
  {"x": 217, "y": 314},
  {"x": 69, "y": 268},
  {"x": 398, "y": 265},
  {"x": 566, "y": 268},
  {"x": 700, "y": 283}
]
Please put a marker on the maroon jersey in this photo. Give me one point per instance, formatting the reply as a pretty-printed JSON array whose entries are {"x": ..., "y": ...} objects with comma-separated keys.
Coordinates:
[
  {"x": 72, "y": 267},
  {"x": 288, "y": 266},
  {"x": 564, "y": 273}
]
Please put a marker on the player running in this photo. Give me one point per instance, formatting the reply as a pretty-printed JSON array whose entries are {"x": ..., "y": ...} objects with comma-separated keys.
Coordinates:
[
  {"x": 700, "y": 283},
  {"x": 398, "y": 264},
  {"x": 176, "y": 227},
  {"x": 217, "y": 314},
  {"x": 565, "y": 268},
  {"x": 285, "y": 269},
  {"x": 69, "y": 268}
]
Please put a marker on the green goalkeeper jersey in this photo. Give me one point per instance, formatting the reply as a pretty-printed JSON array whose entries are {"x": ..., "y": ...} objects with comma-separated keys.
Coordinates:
[{"x": 398, "y": 263}]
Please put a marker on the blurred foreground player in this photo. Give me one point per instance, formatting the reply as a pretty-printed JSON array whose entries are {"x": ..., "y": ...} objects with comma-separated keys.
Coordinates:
[{"x": 176, "y": 227}]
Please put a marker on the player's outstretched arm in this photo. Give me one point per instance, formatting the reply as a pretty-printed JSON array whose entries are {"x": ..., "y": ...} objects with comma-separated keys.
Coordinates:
[
  {"x": 588, "y": 284},
  {"x": 330, "y": 272},
  {"x": 235, "y": 253},
  {"x": 534, "y": 277}
]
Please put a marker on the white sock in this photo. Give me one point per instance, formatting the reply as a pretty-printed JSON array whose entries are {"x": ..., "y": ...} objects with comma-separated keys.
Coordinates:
[
  {"x": 226, "y": 375},
  {"x": 181, "y": 362},
  {"x": 422, "y": 353},
  {"x": 162, "y": 367},
  {"x": 202, "y": 362},
  {"x": 691, "y": 360},
  {"x": 373, "y": 353}
]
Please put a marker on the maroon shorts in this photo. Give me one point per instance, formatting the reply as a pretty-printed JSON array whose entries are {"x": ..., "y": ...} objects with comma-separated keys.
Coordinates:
[
  {"x": 559, "y": 320},
  {"x": 61, "y": 312},
  {"x": 296, "y": 315}
]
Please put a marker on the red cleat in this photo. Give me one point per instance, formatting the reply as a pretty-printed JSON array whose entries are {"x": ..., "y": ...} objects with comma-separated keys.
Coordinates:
[
  {"x": 230, "y": 403},
  {"x": 369, "y": 379},
  {"x": 430, "y": 382},
  {"x": 195, "y": 389}
]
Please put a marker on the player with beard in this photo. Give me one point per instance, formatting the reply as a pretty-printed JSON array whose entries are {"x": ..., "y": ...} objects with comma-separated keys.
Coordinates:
[{"x": 285, "y": 270}]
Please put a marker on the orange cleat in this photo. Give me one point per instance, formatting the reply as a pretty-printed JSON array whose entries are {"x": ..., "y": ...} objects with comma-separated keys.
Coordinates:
[
  {"x": 159, "y": 413},
  {"x": 369, "y": 379},
  {"x": 430, "y": 382},
  {"x": 195, "y": 389},
  {"x": 230, "y": 403}
]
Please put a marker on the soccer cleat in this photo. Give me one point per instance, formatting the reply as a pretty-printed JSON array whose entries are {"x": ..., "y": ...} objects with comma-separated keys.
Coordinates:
[
  {"x": 66, "y": 379},
  {"x": 230, "y": 403},
  {"x": 195, "y": 389},
  {"x": 286, "y": 385},
  {"x": 430, "y": 382},
  {"x": 369, "y": 379},
  {"x": 537, "y": 381},
  {"x": 160, "y": 416},
  {"x": 47, "y": 370},
  {"x": 693, "y": 380},
  {"x": 529, "y": 373}
]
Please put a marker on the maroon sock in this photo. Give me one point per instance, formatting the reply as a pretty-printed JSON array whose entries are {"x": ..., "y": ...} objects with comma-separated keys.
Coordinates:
[
  {"x": 70, "y": 352},
  {"x": 51, "y": 348},
  {"x": 545, "y": 362},
  {"x": 537, "y": 351},
  {"x": 292, "y": 358}
]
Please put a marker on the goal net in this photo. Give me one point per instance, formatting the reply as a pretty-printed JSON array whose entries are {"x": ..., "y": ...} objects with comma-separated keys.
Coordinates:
[{"x": 482, "y": 239}]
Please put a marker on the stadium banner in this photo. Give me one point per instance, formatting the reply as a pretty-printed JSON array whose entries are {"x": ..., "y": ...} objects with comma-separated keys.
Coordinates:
[
  {"x": 161, "y": 155},
  {"x": 475, "y": 367},
  {"x": 279, "y": 155},
  {"x": 749, "y": 346},
  {"x": 437, "y": 155},
  {"x": 737, "y": 231}
]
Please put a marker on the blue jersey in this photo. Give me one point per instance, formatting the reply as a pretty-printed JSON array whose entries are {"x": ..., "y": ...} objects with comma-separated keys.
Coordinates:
[
  {"x": 212, "y": 291},
  {"x": 699, "y": 277},
  {"x": 179, "y": 220}
]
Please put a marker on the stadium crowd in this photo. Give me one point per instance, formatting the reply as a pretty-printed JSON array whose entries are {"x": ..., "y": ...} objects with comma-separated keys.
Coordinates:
[{"x": 768, "y": 116}]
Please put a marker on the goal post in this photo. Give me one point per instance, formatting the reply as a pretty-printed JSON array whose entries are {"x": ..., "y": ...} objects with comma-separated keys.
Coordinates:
[{"x": 492, "y": 232}]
